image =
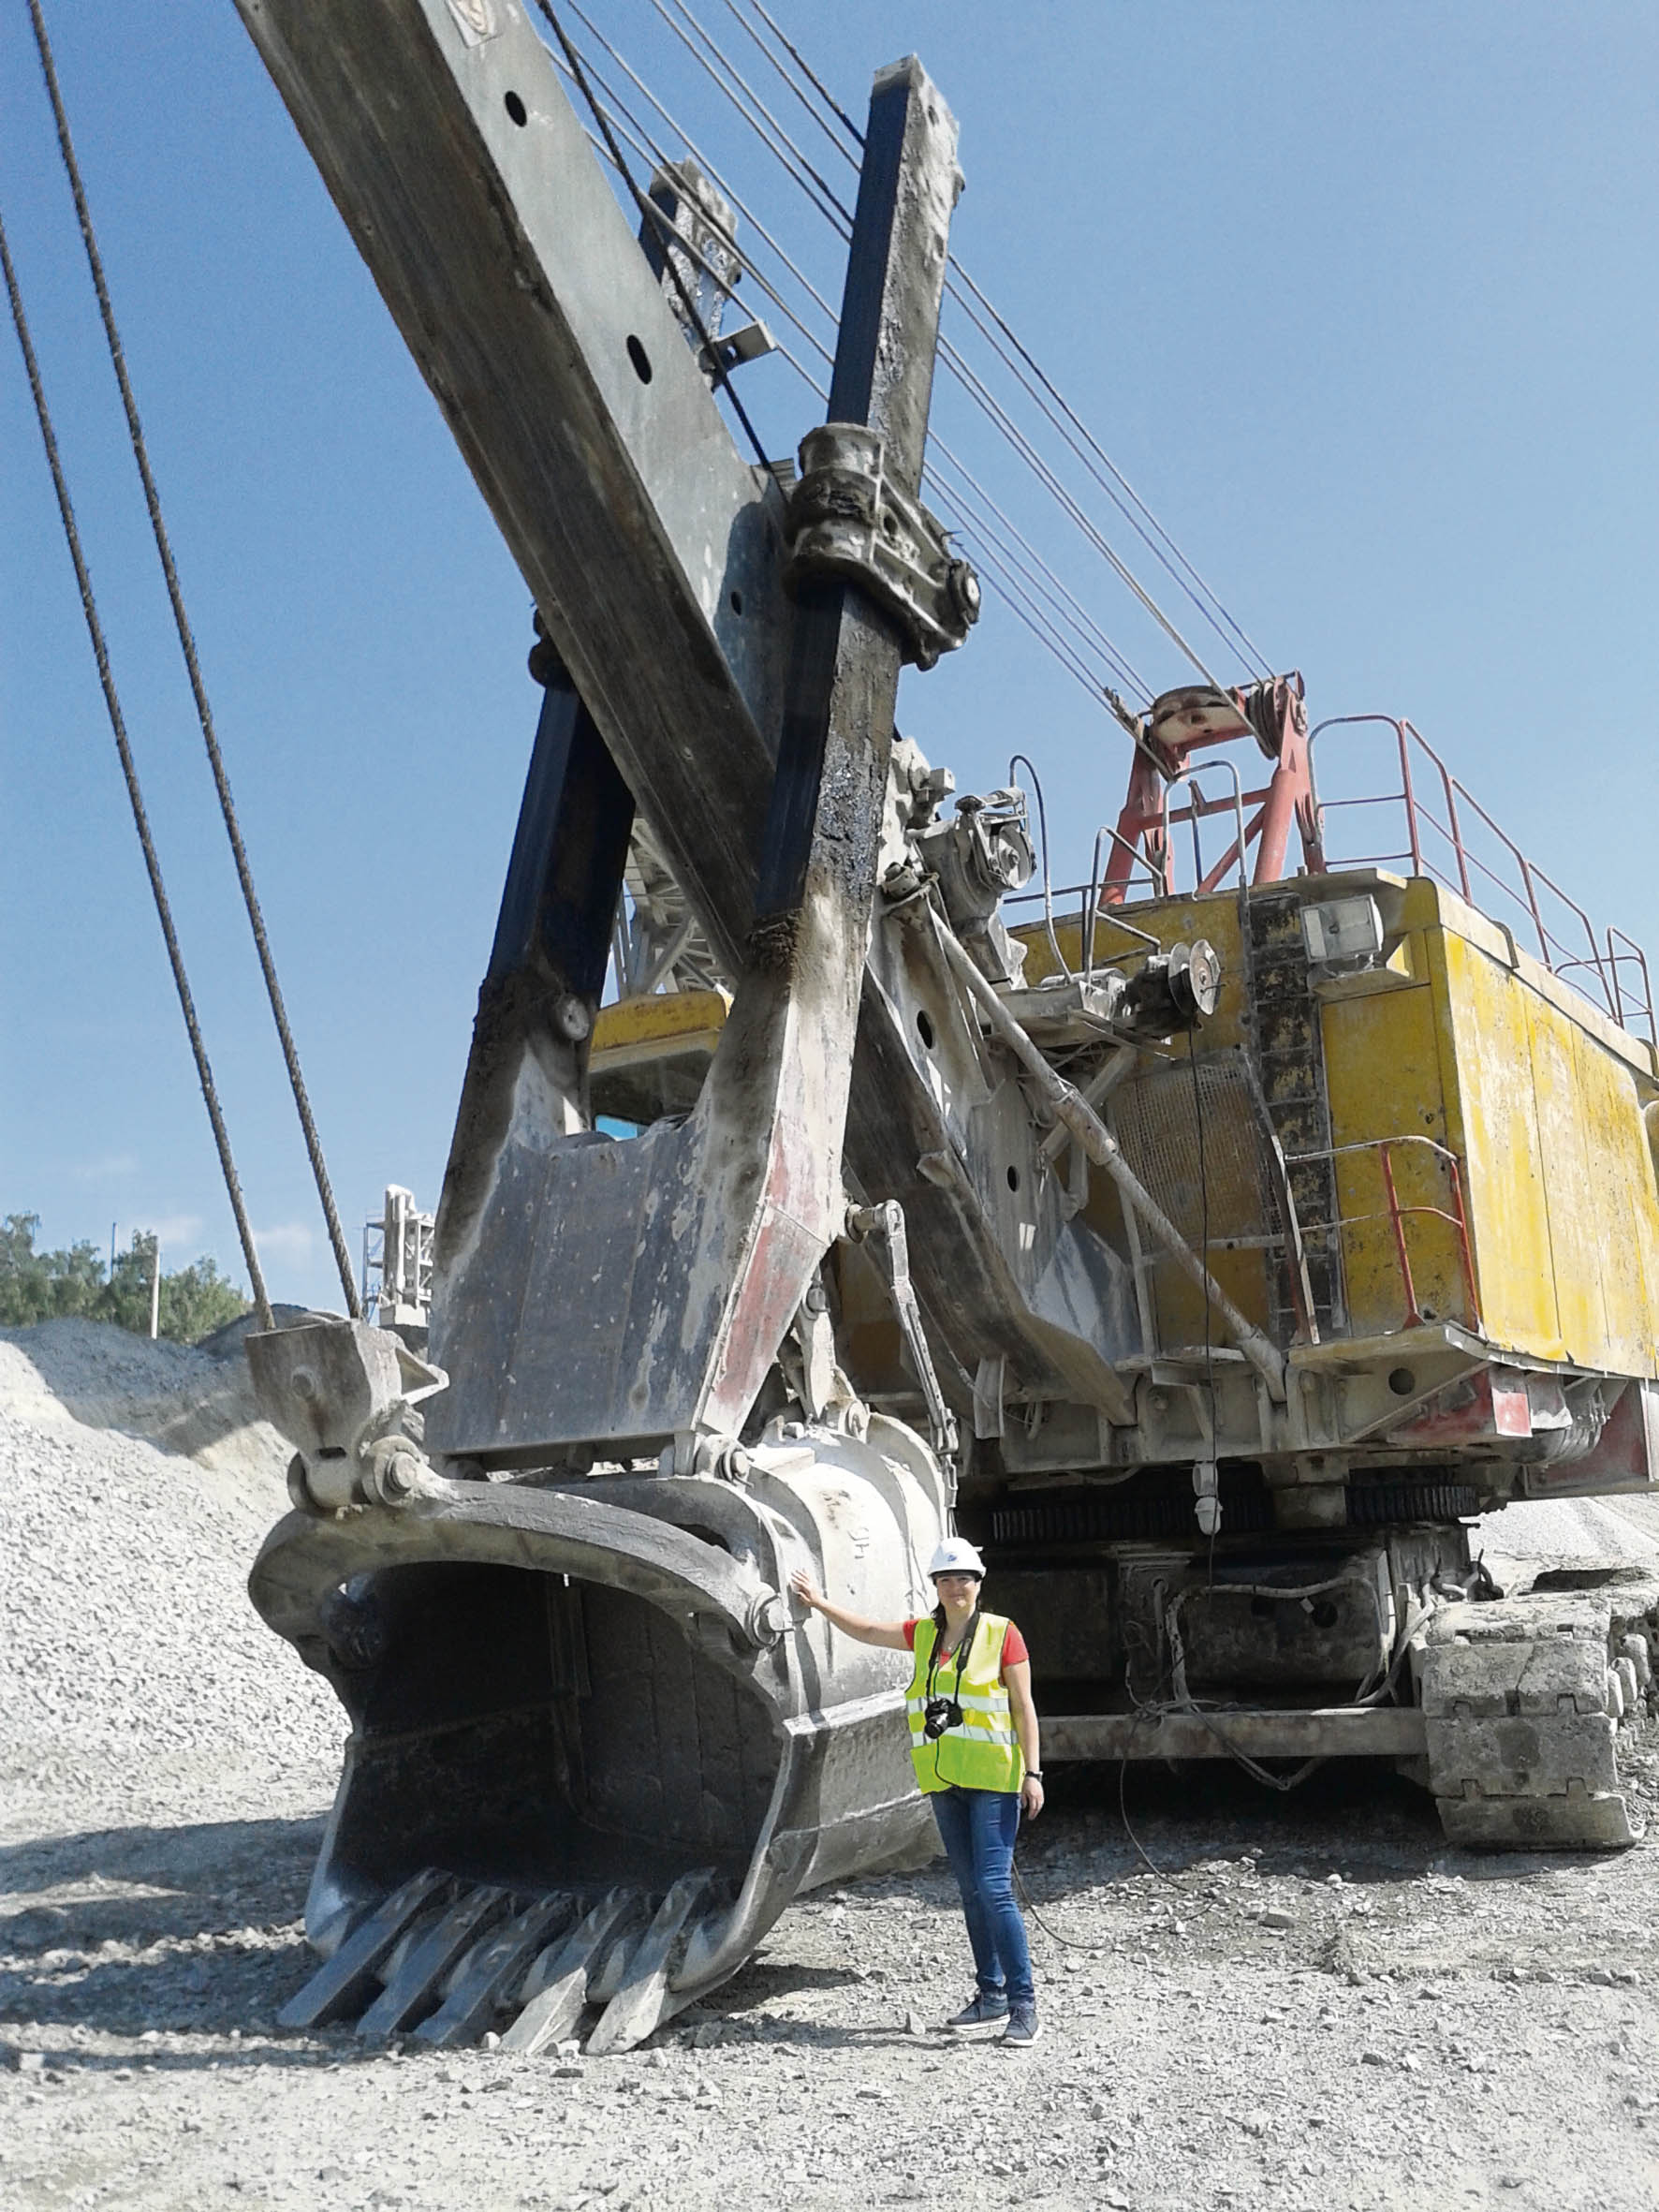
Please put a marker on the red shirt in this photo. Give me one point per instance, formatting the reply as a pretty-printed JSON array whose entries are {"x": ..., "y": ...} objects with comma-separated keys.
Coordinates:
[{"x": 1013, "y": 1649}]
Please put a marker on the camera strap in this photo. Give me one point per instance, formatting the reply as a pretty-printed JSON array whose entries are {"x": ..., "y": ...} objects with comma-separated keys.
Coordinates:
[{"x": 961, "y": 1655}]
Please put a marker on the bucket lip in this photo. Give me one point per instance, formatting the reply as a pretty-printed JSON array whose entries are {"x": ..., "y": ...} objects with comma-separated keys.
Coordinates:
[{"x": 307, "y": 1555}]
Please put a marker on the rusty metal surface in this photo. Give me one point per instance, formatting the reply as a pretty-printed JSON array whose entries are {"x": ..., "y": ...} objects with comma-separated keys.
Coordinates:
[{"x": 653, "y": 1282}]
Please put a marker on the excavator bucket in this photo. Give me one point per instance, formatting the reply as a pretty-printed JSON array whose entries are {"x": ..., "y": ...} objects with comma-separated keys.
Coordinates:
[{"x": 592, "y": 1755}]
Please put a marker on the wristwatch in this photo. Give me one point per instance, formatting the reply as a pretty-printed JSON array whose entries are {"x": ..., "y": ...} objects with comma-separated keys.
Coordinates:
[{"x": 1033, "y": 1774}]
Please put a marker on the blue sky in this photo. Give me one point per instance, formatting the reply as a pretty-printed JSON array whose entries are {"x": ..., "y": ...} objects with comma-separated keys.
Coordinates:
[{"x": 1360, "y": 299}]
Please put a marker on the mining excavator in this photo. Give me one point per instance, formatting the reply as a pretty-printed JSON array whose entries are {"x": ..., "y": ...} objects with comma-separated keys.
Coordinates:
[{"x": 1212, "y": 1257}]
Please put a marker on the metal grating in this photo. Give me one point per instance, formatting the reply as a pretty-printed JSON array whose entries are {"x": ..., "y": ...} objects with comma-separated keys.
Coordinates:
[{"x": 1157, "y": 1121}]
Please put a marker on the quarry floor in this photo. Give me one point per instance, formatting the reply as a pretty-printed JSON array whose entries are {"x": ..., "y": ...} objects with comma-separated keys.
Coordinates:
[{"x": 1307, "y": 2000}]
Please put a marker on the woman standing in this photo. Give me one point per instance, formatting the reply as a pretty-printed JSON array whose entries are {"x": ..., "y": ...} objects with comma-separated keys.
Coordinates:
[{"x": 974, "y": 1744}]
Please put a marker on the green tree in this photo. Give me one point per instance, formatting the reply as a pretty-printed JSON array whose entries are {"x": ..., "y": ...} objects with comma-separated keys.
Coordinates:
[
  {"x": 197, "y": 1300},
  {"x": 44, "y": 1286},
  {"x": 52, "y": 1286}
]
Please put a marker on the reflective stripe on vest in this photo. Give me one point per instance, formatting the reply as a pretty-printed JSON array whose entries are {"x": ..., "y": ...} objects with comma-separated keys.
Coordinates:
[{"x": 982, "y": 1752}]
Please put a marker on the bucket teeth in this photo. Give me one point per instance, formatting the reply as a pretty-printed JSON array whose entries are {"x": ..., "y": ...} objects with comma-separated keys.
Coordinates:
[
  {"x": 412, "y": 1988},
  {"x": 495, "y": 1968},
  {"x": 637, "y": 2005},
  {"x": 557, "y": 1983},
  {"x": 342, "y": 1983}
]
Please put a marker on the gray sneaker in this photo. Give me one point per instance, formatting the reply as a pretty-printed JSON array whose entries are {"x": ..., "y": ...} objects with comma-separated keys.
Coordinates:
[
  {"x": 984, "y": 2016},
  {"x": 1022, "y": 2030}
]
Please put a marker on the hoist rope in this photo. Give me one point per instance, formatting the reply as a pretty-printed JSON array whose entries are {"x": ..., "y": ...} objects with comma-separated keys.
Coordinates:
[
  {"x": 740, "y": 205},
  {"x": 197, "y": 688},
  {"x": 1220, "y": 616},
  {"x": 997, "y": 332},
  {"x": 1068, "y": 503},
  {"x": 971, "y": 504},
  {"x": 724, "y": 69},
  {"x": 835, "y": 139},
  {"x": 812, "y": 76},
  {"x": 1137, "y": 513},
  {"x": 135, "y": 794}
]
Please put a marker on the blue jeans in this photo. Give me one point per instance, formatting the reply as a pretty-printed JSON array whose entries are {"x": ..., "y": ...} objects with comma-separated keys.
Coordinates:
[{"x": 978, "y": 1827}]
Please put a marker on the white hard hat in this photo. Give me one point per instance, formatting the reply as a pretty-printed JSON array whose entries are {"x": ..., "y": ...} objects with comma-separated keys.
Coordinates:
[{"x": 955, "y": 1556}]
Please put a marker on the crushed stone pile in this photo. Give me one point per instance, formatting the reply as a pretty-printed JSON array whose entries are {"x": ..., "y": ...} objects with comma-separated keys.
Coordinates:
[{"x": 137, "y": 1685}]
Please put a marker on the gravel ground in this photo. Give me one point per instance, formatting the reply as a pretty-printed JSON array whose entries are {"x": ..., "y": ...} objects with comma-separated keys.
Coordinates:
[{"x": 1311, "y": 2003}]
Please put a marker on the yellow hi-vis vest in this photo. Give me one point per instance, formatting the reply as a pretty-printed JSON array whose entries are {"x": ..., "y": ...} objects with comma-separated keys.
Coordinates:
[{"x": 984, "y": 1752}]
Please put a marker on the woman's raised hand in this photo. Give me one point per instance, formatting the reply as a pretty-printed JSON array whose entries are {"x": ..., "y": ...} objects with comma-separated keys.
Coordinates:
[{"x": 805, "y": 1588}]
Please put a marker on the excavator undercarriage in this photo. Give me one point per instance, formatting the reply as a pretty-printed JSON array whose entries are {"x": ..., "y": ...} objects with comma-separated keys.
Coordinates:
[{"x": 1211, "y": 1259}]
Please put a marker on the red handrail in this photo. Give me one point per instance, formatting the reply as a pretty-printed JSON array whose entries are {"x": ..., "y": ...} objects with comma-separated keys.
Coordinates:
[{"x": 1394, "y": 1214}]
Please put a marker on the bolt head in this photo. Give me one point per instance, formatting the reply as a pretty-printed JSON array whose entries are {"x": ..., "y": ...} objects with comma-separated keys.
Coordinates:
[
  {"x": 965, "y": 591},
  {"x": 571, "y": 1017}
]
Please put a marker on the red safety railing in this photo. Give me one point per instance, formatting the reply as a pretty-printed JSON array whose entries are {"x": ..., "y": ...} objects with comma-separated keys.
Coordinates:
[
  {"x": 1395, "y": 1215},
  {"x": 1610, "y": 969}
]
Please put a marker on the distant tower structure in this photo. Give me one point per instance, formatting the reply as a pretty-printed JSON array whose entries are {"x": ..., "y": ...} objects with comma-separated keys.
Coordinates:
[{"x": 397, "y": 1263}]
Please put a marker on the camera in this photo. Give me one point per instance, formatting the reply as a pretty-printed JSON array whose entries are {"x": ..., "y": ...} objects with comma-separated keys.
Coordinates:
[{"x": 938, "y": 1714}]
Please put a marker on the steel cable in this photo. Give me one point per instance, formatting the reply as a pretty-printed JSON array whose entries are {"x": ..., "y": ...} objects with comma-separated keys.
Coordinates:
[
  {"x": 1069, "y": 505},
  {"x": 831, "y": 203},
  {"x": 975, "y": 527},
  {"x": 836, "y": 140},
  {"x": 738, "y": 204},
  {"x": 134, "y": 791},
  {"x": 1067, "y": 422},
  {"x": 1226, "y": 627},
  {"x": 1005, "y": 573},
  {"x": 812, "y": 76},
  {"x": 192, "y": 667}
]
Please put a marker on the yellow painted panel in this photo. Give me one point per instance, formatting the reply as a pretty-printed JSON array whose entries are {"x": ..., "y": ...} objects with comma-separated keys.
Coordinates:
[
  {"x": 1617, "y": 1239},
  {"x": 1485, "y": 1032},
  {"x": 658, "y": 1022},
  {"x": 1178, "y": 1303},
  {"x": 1569, "y": 1185},
  {"x": 1383, "y": 1067}
]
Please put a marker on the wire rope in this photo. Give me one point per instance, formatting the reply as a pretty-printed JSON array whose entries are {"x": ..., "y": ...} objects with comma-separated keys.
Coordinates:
[
  {"x": 134, "y": 791},
  {"x": 649, "y": 149},
  {"x": 193, "y": 668},
  {"x": 974, "y": 529},
  {"x": 1078, "y": 616},
  {"x": 1006, "y": 571},
  {"x": 738, "y": 204},
  {"x": 992, "y": 406},
  {"x": 1118, "y": 489},
  {"x": 986, "y": 540},
  {"x": 1050, "y": 587},
  {"x": 835, "y": 137},
  {"x": 783, "y": 148},
  {"x": 971, "y": 297},
  {"x": 723, "y": 68},
  {"x": 812, "y": 76}
]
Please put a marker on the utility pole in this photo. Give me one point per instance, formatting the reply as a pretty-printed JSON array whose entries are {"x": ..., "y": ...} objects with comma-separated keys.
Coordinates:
[{"x": 155, "y": 1289}]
